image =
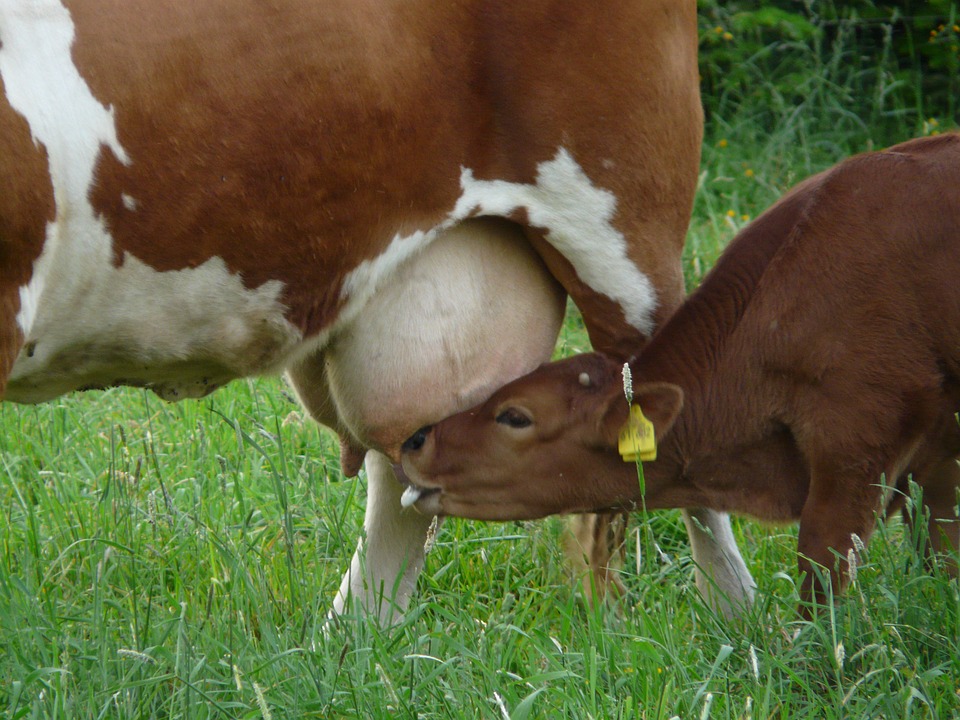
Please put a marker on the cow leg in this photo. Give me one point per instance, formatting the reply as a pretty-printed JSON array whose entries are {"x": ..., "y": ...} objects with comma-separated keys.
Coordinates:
[
  {"x": 394, "y": 541},
  {"x": 595, "y": 549},
  {"x": 384, "y": 570},
  {"x": 721, "y": 574}
]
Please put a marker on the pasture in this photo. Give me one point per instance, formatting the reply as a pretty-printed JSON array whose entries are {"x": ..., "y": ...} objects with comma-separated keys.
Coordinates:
[{"x": 177, "y": 561}]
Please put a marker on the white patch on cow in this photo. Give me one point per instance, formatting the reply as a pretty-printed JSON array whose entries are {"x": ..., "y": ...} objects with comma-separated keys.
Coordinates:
[
  {"x": 43, "y": 85},
  {"x": 578, "y": 219},
  {"x": 129, "y": 202},
  {"x": 576, "y": 215},
  {"x": 186, "y": 333},
  {"x": 30, "y": 293},
  {"x": 85, "y": 321}
]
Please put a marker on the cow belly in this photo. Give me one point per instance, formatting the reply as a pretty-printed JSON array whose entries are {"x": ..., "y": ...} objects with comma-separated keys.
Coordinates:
[
  {"x": 475, "y": 310},
  {"x": 181, "y": 333}
]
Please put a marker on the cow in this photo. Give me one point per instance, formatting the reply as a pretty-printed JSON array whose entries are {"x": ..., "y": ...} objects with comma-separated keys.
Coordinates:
[
  {"x": 388, "y": 201},
  {"x": 814, "y": 371}
]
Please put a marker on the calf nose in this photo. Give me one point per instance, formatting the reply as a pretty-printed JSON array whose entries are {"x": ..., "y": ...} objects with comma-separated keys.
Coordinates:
[{"x": 416, "y": 441}]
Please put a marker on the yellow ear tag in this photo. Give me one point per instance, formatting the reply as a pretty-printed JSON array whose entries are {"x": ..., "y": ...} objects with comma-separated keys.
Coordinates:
[{"x": 637, "y": 440}]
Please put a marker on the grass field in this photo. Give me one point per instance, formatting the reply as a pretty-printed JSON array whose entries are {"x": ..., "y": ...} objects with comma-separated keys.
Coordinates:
[{"x": 177, "y": 561}]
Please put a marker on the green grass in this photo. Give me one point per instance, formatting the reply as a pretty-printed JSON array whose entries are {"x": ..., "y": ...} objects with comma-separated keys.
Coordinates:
[{"x": 177, "y": 561}]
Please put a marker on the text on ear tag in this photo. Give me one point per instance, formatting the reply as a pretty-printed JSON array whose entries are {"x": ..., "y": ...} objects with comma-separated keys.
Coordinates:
[{"x": 637, "y": 440}]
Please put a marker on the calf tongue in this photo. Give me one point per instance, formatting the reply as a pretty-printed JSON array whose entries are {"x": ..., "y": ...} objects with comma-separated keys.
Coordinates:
[{"x": 410, "y": 495}]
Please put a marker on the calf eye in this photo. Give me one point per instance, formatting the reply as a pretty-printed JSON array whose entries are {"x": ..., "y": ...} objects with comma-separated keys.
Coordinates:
[{"x": 511, "y": 417}]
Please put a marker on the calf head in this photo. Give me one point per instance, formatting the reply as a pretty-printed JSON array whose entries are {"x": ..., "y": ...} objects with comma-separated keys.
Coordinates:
[{"x": 541, "y": 445}]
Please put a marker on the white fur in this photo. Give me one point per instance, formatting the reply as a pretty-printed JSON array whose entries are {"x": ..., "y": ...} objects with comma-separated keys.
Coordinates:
[
  {"x": 365, "y": 280},
  {"x": 182, "y": 332}
]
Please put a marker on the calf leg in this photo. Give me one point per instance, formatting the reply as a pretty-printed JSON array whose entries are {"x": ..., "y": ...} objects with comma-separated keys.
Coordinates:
[
  {"x": 940, "y": 485},
  {"x": 838, "y": 506}
]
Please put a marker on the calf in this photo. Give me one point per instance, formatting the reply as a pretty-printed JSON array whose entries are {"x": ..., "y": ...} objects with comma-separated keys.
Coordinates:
[{"x": 815, "y": 370}]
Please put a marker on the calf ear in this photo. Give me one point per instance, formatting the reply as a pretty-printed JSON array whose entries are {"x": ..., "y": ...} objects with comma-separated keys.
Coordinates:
[{"x": 660, "y": 402}]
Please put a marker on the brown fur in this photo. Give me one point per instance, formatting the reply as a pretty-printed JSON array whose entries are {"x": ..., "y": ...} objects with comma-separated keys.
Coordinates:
[
  {"x": 821, "y": 354},
  {"x": 320, "y": 121},
  {"x": 26, "y": 205}
]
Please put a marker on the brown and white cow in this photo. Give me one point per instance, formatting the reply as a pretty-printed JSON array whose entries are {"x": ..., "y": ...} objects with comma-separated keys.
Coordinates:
[
  {"x": 377, "y": 196},
  {"x": 815, "y": 369}
]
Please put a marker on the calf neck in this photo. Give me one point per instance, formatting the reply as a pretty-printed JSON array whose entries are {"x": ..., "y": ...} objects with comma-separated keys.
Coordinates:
[{"x": 813, "y": 372}]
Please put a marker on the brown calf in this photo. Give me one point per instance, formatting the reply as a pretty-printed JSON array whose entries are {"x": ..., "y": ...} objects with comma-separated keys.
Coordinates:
[{"x": 816, "y": 368}]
